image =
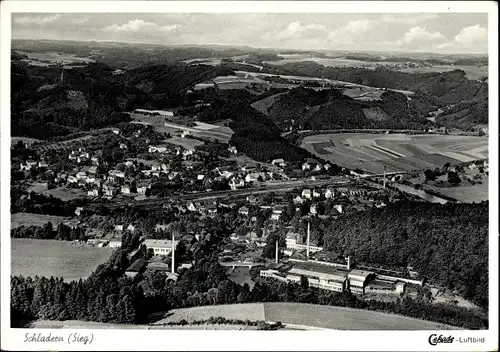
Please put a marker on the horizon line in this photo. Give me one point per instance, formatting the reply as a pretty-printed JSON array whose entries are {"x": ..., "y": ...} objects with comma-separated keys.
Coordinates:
[{"x": 249, "y": 46}]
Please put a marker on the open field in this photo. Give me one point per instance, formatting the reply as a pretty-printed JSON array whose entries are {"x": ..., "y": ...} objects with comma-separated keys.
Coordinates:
[
  {"x": 331, "y": 82},
  {"x": 340, "y": 318},
  {"x": 307, "y": 315},
  {"x": 15, "y": 140},
  {"x": 465, "y": 192},
  {"x": 65, "y": 193},
  {"x": 187, "y": 143},
  {"x": 360, "y": 93},
  {"x": 397, "y": 152},
  {"x": 37, "y": 187},
  {"x": 329, "y": 62},
  {"x": 28, "y": 219},
  {"x": 45, "y": 58},
  {"x": 72, "y": 261},
  {"x": 250, "y": 311},
  {"x": 471, "y": 72},
  {"x": 202, "y": 130}
]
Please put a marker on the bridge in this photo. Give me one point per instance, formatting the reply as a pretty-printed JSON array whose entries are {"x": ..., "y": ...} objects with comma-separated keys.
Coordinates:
[{"x": 241, "y": 264}]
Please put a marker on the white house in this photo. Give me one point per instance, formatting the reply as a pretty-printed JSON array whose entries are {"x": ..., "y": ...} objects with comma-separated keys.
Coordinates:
[
  {"x": 298, "y": 200},
  {"x": 313, "y": 209},
  {"x": 125, "y": 189},
  {"x": 131, "y": 228},
  {"x": 157, "y": 149},
  {"x": 234, "y": 184},
  {"x": 118, "y": 227},
  {"x": 72, "y": 179},
  {"x": 278, "y": 162},
  {"x": 232, "y": 150},
  {"x": 115, "y": 131},
  {"x": 93, "y": 193},
  {"x": 191, "y": 206},
  {"x": 276, "y": 214},
  {"x": 81, "y": 175},
  {"x": 328, "y": 193},
  {"x": 306, "y": 193},
  {"x": 316, "y": 194},
  {"x": 338, "y": 207},
  {"x": 161, "y": 247},
  {"x": 243, "y": 211}
]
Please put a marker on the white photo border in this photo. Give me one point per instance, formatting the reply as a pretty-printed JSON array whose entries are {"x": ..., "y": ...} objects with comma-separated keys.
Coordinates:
[{"x": 127, "y": 340}]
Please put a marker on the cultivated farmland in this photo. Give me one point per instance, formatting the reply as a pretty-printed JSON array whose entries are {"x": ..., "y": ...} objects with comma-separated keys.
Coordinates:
[
  {"x": 397, "y": 152},
  {"x": 72, "y": 261}
]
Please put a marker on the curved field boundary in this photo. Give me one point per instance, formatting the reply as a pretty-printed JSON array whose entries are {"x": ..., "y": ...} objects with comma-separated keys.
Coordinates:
[
  {"x": 341, "y": 318},
  {"x": 306, "y": 316}
]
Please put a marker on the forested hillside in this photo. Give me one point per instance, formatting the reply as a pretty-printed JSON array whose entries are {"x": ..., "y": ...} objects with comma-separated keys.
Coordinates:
[
  {"x": 433, "y": 90},
  {"x": 89, "y": 97},
  {"x": 448, "y": 244},
  {"x": 331, "y": 109},
  {"x": 254, "y": 133}
]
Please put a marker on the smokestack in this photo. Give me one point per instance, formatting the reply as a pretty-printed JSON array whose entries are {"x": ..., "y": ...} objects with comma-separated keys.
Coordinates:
[
  {"x": 173, "y": 253},
  {"x": 308, "y": 237},
  {"x": 277, "y": 252}
]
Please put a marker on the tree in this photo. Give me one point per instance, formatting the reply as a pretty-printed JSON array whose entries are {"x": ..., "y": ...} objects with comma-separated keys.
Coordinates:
[
  {"x": 429, "y": 175},
  {"x": 453, "y": 178},
  {"x": 304, "y": 283},
  {"x": 446, "y": 166}
]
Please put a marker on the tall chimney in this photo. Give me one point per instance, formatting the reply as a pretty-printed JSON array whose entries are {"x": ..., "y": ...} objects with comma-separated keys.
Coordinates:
[
  {"x": 173, "y": 253},
  {"x": 308, "y": 237},
  {"x": 277, "y": 252}
]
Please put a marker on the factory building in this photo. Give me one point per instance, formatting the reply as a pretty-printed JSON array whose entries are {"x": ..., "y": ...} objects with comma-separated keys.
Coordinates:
[{"x": 358, "y": 280}]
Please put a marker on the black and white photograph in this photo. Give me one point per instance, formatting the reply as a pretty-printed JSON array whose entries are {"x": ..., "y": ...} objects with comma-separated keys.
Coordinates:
[{"x": 172, "y": 172}]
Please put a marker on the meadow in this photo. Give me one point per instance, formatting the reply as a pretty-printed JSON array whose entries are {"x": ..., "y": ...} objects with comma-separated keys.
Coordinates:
[
  {"x": 397, "y": 152},
  {"x": 340, "y": 318},
  {"x": 72, "y": 261},
  {"x": 202, "y": 130},
  {"x": 307, "y": 315},
  {"x": 28, "y": 219}
]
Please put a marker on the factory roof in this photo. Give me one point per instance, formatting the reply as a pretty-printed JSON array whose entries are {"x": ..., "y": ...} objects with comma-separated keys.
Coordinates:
[
  {"x": 137, "y": 266},
  {"x": 360, "y": 273},
  {"x": 332, "y": 276}
]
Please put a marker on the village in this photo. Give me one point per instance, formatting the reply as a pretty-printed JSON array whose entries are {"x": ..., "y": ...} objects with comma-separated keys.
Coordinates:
[{"x": 135, "y": 166}]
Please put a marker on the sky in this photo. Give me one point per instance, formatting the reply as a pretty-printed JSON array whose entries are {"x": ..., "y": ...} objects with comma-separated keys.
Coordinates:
[{"x": 416, "y": 32}]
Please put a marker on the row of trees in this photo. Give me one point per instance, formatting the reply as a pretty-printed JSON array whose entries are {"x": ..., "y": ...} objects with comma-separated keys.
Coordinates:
[{"x": 47, "y": 232}]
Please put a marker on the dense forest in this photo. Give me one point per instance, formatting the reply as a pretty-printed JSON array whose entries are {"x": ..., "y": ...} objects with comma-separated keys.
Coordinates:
[
  {"x": 448, "y": 244},
  {"x": 331, "y": 109}
]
